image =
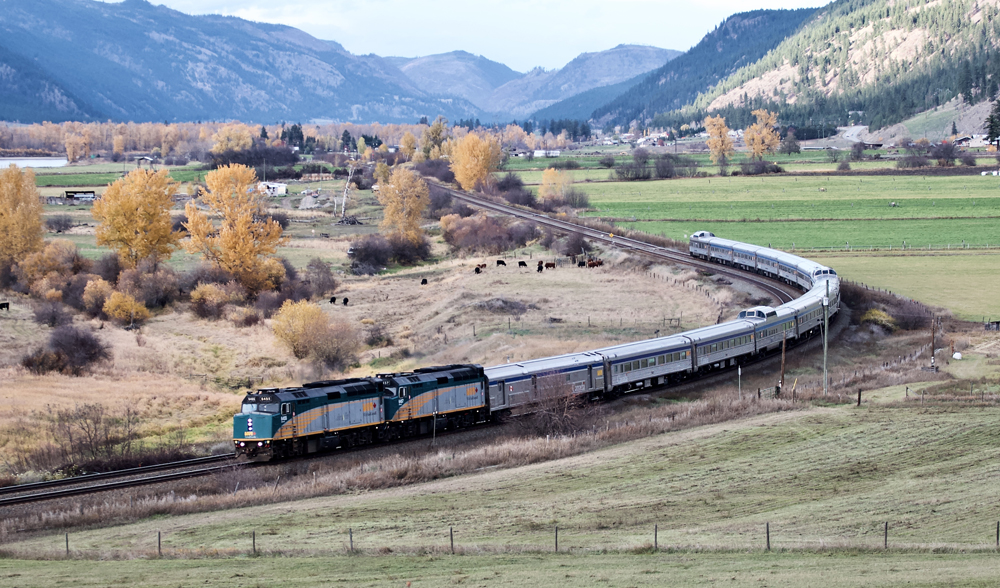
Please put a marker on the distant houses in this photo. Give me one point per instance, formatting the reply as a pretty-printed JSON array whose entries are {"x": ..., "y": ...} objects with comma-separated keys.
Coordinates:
[{"x": 272, "y": 188}]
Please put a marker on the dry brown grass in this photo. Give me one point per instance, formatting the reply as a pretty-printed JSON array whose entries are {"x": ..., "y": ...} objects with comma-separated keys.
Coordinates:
[{"x": 389, "y": 467}]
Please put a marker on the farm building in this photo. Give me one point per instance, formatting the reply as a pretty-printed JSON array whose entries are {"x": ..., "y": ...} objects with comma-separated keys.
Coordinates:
[{"x": 272, "y": 188}]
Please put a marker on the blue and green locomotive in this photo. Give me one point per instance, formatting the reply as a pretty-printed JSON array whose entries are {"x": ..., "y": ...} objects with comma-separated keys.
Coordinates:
[{"x": 318, "y": 416}]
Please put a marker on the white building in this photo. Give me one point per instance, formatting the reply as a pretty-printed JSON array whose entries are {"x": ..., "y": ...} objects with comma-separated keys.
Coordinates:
[{"x": 272, "y": 188}]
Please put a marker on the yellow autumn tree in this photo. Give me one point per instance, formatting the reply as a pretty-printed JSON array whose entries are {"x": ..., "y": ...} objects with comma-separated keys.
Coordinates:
[
  {"x": 20, "y": 215},
  {"x": 474, "y": 158},
  {"x": 404, "y": 196},
  {"x": 433, "y": 136},
  {"x": 133, "y": 216},
  {"x": 119, "y": 144},
  {"x": 720, "y": 144},
  {"x": 761, "y": 137},
  {"x": 408, "y": 145},
  {"x": 554, "y": 184},
  {"x": 309, "y": 332},
  {"x": 235, "y": 137},
  {"x": 246, "y": 237}
]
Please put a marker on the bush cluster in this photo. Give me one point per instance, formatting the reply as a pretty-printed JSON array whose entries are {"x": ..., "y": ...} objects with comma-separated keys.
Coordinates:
[
  {"x": 436, "y": 168},
  {"x": 486, "y": 234},
  {"x": 69, "y": 350},
  {"x": 309, "y": 333}
]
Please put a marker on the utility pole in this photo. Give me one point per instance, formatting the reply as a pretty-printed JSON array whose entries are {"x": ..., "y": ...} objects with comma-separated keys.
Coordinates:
[
  {"x": 739, "y": 380},
  {"x": 826, "y": 329},
  {"x": 932, "y": 342},
  {"x": 784, "y": 341}
]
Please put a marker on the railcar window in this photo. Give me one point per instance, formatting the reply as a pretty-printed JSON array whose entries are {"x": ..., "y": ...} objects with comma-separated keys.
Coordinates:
[{"x": 644, "y": 363}]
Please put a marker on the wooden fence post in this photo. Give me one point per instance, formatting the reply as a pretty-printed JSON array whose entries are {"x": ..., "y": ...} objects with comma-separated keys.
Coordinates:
[
  {"x": 67, "y": 544},
  {"x": 656, "y": 541},
  {"x": 886, "y": 541},
  {"x": 767, "y": 530},
  {"x": 255, "y": 541},
  {"x": 159, "y": 545},
  {"x": 451, "y": 534},
  {"x": 557, "y": 537},
  {"x": 350, "y": 538}
]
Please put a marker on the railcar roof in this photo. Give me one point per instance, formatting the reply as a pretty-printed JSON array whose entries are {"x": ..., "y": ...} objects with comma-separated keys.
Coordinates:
[
  {"x": 717, "y": 331},
  {"x": 645, "y": 346}
]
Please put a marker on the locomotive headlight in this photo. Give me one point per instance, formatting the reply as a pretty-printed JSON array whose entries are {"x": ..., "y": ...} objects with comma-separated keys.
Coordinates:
[
  {"x": 242, "y": 444},
  {"x": 260, "y": 444}
]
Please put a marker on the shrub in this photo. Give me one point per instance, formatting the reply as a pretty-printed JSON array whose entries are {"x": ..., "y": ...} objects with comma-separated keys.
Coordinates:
[
  {"x": 575, "y": 244},
  {"x": 436, "y": 168},
  {"x": 95, "y": 295},
  {"x": 69, "y": 350},
  {"x": 565, "y": 164},
  {"x": 968, "y": 159},
  {"x": 73, "y": 289},
  {"x": 631, "y": 172},
  {"x": 756, "y": 168},
  {"x": 476, "y": 233},
  {"x": 108, "y": 266},
  {"x": 205, "y": 274},
  {"x": 843, "y": 166},
  {"x": 155, "y": 289},
  {"x": 440, "y": 201},
  {"x": 308, "y": 332},
  {"x": 858, "y": 151},
  {"x": 520, "y": 196},
  {"x": 913, "y": 160},
  {"x": 245, "y": 317},
  {"x": 124, "y": 310},
  {"x": 664, "y": 167},
  {"x": 406, "y": 252},
  {"x": 52, "y": 314},
  {"x": 576, "y": 198},
  {"x": 208, "y": 301},
  {"x": 510, "y": 181},
  {"x": 461, "y": 209},
  {"x": 59, "y": 223},
  {"x": 880, "y": 318},
  {"x": 56, "y": 262},
  {"x": 321, "y": 277},
  {"x": 280, "y": 218},
  {"x": 370, "y": 254},
  {"x": 945, "y": 153},
  {"x": 640, "y": 156},
  {"x": 608, "y": 161},
  {"x": 268, "y": 302}
]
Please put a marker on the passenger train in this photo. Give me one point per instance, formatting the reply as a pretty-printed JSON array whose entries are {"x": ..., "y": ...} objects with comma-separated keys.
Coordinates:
[{"x": 317, "y": 416}]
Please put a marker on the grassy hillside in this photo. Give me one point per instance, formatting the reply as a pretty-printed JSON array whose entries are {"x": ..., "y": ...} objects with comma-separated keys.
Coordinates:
[
  {"x": 876, "y": 63},
  {"x": 738, "y": 41}
]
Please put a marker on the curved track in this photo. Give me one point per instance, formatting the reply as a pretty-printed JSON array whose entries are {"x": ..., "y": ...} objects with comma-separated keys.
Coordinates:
[{"x": 777, "y": 290}]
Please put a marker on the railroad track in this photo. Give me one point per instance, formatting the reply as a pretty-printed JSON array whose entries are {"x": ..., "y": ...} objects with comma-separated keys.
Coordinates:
[
  {"x": 77, "y": 485},
  {"x": 777, "y": 290}
]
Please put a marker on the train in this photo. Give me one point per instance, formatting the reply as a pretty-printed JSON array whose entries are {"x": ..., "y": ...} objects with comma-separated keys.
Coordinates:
[{"x": 276, "y": 423}]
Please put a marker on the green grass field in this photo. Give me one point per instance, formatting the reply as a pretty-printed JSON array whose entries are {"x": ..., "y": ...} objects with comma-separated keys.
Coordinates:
[
  {"x": 826, "y": 479},
  {"x": 966, "y": 283},
  {"x": 522, "y": 570}
]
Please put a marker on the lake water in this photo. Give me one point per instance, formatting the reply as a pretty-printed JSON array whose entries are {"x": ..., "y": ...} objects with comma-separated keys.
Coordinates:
[{"x": 5, "y": 162}]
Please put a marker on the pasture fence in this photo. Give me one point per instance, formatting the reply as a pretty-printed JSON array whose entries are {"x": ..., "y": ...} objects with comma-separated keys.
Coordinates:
[{"x": 874, "y": 535}]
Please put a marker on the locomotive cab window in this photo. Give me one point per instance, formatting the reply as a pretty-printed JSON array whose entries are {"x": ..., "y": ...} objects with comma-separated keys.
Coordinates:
[{"x": 286, "y": 408}]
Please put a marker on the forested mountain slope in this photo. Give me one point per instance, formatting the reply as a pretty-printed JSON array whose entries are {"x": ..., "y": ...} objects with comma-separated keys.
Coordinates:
[
  {"x": 738, "y": 41},
  {"x": 875, "y": 62}
]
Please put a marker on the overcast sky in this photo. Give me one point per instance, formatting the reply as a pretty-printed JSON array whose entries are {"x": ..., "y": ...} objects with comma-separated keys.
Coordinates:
[{"x": 519, "y": 33}]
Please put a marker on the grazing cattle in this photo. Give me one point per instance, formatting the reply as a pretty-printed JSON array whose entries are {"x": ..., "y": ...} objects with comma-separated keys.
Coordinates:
[
  {"x": 479, "y": 270},
  {"x": 581, "y": 264},
  {"x": 522, "y": 264},
  {"x": 599, "y": 262},
  {"x": 481, "y": 266},
  {"x": 333, "y": 300},
  {"x": 501, "y": 262},
  {"x": 423, "y": 282},
  {"x": 539, "y": 267},
  {"x": 345, "y": 300},
  {"x": 4, "y": 305},
  {"x": 550, "y": 265}
]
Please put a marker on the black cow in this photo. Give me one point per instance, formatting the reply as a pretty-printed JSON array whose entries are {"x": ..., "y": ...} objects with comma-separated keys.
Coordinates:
[
  {"x": 539, "y": 268},
  {"x": 478, "y": 271},
  {"x": 333, "y": 300},
  {"x": 4, "y": 305},
  {"x": 522, "y": 264},
  {"x": 501, "y": 262},
  {"x": 345, "y": 300},
  {"x": 581, "y": 264},
  {"x": 423, "y": 282}
]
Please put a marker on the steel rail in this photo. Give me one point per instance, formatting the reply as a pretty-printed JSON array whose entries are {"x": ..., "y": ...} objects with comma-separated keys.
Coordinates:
[
  {"x": 773, "y": 288},
  {"x": 138, "y": 471},
  {"x": 12, "y": 500}
]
